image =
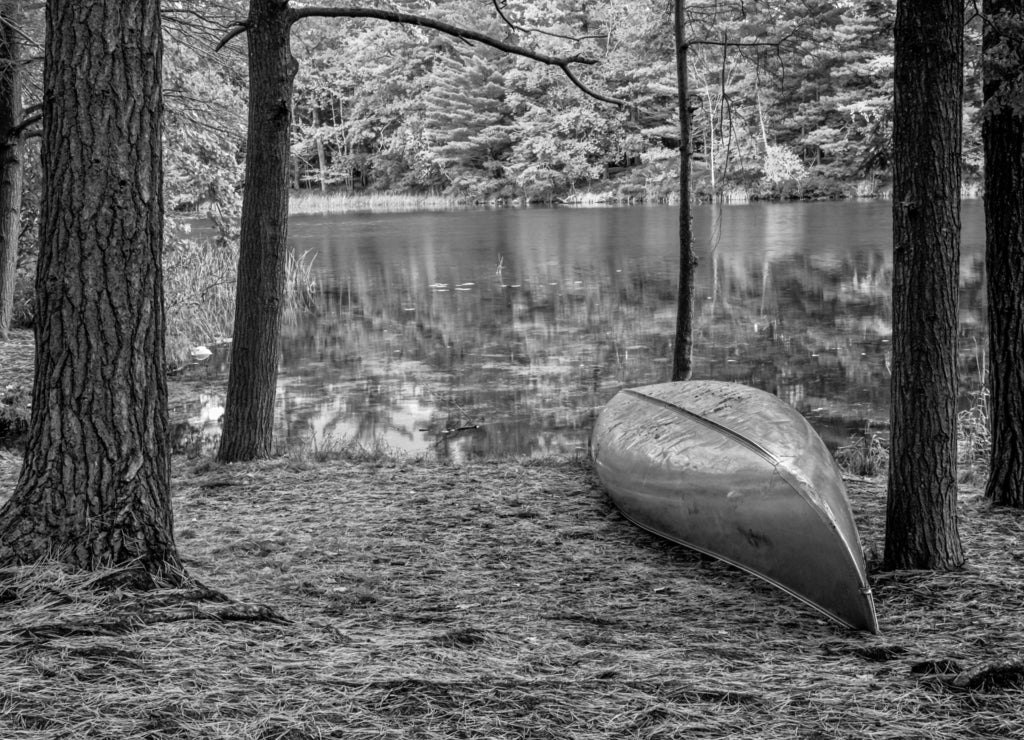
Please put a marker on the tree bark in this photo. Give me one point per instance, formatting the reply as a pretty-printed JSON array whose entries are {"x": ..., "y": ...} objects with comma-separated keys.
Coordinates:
[
  {"x": 94, "y": 490},
  {"x": 1003, "y": 135},
  {"x": 11, "y": 154},
  {"x": 682, "y": 353},
  {"x": 921, "y": 517},
  {"x": 248, "y": 428}
]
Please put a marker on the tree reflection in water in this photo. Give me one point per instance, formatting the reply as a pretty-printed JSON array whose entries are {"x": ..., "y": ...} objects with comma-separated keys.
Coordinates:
[{"x": 481, "y": 333}]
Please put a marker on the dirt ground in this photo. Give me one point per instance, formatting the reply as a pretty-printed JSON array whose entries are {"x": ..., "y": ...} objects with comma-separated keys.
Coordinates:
[{"x": 503, "y": 599}]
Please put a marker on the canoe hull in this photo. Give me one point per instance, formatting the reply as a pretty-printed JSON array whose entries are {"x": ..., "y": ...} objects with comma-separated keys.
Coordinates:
[{"x": 736, "y": 473}]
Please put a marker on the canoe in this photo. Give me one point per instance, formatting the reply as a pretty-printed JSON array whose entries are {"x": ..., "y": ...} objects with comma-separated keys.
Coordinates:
[{"x": 738, "y": 474}]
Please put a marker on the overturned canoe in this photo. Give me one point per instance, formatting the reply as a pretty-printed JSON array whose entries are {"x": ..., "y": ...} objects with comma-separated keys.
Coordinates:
[{"x": 736, "y": 473}]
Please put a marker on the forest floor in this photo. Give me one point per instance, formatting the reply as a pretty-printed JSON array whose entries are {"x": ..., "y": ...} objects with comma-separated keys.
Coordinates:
[{"x": 500, "y": 599}]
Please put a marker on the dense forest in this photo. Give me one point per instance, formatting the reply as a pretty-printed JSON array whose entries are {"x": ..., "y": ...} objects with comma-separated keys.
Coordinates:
[{"x": 789, "y": 100}]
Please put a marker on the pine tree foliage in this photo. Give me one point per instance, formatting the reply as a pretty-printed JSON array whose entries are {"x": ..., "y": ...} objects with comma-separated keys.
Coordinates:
[
  {"x": 850, "y": 108},
  {"x": 467, "y": 124},
  {"x": 386, "y": 107}
]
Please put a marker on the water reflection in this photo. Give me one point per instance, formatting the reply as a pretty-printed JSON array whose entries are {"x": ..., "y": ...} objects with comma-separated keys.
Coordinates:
[{"x": 478, "y": 333}]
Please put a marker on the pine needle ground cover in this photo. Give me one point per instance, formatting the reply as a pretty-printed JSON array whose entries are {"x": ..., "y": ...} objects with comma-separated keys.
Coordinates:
[{"x": 506, "y": 599}]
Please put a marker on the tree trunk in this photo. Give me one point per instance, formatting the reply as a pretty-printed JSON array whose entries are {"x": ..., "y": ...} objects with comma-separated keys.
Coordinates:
[
  {"x": 1003, "y": 134},
  {"x": 921, "y": 517},
  {"x": 321, "y": 154},
  {"x": 248, "y": 429},
  {"x": 95, "y": 487},
  {"x": 682, "y": 354},
  {"x": 11, "y": 153}
]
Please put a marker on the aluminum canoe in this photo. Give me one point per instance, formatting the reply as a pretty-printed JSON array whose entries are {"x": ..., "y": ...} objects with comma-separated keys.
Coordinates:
[{"x": 738, "y": 474}]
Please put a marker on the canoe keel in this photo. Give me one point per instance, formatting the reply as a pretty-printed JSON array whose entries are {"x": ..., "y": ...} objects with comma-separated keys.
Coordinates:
[{"x": 737, "y": 474}]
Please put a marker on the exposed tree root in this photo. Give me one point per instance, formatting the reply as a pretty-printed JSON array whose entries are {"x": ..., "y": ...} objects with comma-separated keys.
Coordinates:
[
  {"x": 129, "y": 621},
  {"x": 61, "y": 604},
  {"x": 992, "y": 676}
]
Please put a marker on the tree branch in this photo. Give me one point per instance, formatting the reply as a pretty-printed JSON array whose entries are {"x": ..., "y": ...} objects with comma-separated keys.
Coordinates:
[
  {"x": 499, "y": 6},
  {"x": 25, "y": 123},
  {"x": 727, "y": 43},
  {"x": 466, "y": 35},
  {"x": 592, "y": 93},
  {"x": 235, "y": 29}
]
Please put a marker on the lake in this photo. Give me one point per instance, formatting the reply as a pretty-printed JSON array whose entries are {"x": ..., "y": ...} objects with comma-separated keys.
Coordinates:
[{"x": 475, "y": 333}]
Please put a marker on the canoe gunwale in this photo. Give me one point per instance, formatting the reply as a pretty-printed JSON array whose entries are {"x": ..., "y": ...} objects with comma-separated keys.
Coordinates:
[{"x": 865, "y": 590}]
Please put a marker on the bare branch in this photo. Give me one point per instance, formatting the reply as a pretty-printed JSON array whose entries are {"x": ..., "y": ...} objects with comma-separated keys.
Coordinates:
[
  {"x": 596, "y": 95},
  {"x": 728, "y": 43},
  {"x": 25, "y": 123},
  {"x": 464, "y": 34},
  {"x": 25, "y": 38},
  {"x": 235, "y": 29}
]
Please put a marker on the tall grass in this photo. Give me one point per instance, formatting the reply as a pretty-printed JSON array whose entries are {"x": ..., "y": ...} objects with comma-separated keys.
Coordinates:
[
  {"x": 868, "y": 455},
  {"x": 301, "y": 284},
  {"x": 317, "y": 202},
  {"x": 199, "y": 292},
  {"x": 969, "y": 189},
  {"x": 329, "y": 448},
  {"x": 974, "y": 438}
]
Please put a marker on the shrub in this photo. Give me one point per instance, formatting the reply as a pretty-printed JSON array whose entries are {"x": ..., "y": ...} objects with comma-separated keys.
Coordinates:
[
  {"x": 866, "y": 455},
  {"x": 14, "y": 411}
]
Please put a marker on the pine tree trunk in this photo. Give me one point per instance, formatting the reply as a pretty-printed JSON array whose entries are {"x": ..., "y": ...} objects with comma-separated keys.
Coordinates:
[
  {"x": 11, "y": 153},
  {"x": 682, "y": 355},
  {"x": 95, "y": 487},
  {"x": 921, "y": 523},
  {"x": 1003, "y": 134},
  {"x": 252, "y": 381}
]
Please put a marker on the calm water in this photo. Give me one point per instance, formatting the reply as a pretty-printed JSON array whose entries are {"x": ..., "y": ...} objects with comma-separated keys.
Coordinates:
[{"x": 487, "y": 332}]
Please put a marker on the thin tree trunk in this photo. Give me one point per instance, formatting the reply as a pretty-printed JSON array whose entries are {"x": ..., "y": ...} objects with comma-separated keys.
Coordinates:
[
  {"x": 760, "y": 119},
  {"x": 252, "y": 380},
  {"x": 1003, "y": 134},
  {"x": 11, "y": 153},
  {"x": 321, "y": 155},
  {"x": 711, "y": 140},
  {"x": 921, "y": 521},
  {"x": 682, "y": 355},
  {"x": 95, "y": 486}
]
